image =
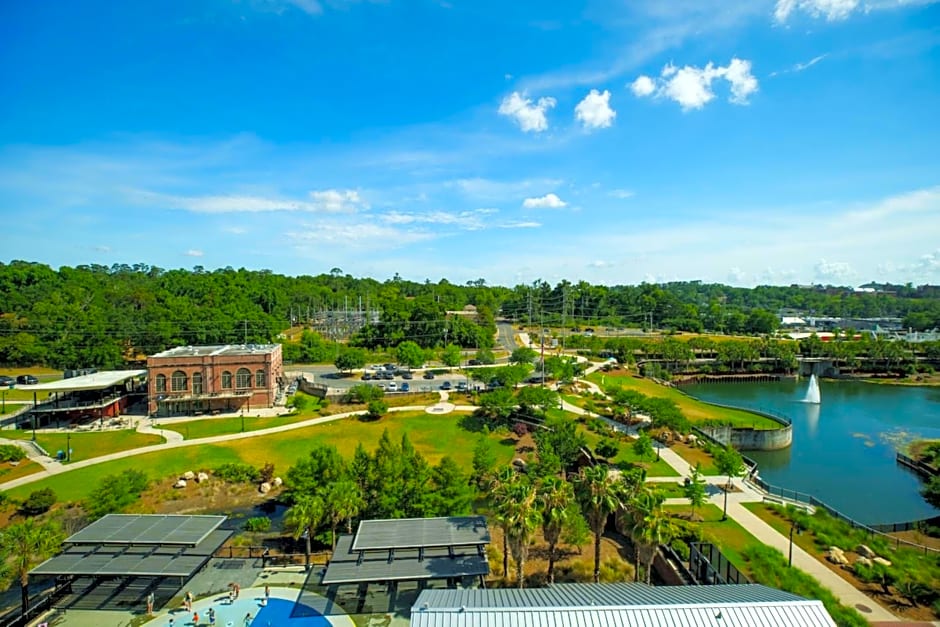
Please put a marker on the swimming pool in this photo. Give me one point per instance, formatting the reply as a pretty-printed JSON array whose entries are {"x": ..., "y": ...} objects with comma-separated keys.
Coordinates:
[{"x": 283, "y": 609}]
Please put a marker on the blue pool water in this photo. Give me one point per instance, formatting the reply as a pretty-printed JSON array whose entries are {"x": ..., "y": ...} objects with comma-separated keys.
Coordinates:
[{"x": 277, "y": 613}]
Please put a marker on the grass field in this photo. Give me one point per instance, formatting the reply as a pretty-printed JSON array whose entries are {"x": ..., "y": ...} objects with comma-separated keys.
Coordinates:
[
  {"x": 654, "y": 467},
  {"x": 694, "y": 410},
  {"x": 695, "y": 455},
  {"x": 433, "y": 435},
  {"x": 209, "y": 427},
  {"x": 87, "y": 445},
  {"x": 728, "y": 535},
  {"x": 26, "y": 467}
]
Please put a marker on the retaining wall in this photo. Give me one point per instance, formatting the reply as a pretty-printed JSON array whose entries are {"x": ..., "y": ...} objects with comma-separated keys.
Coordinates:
[{"x": 748, "y": 439}]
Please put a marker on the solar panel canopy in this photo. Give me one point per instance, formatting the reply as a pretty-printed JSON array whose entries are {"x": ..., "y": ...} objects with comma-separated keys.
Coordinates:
[
  {"x": 421, "y": 532},
  {"x": 147, "y": 529}
]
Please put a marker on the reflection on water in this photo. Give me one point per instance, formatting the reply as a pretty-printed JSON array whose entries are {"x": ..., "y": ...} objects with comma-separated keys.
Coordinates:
[{"x": 844, "y": 449}]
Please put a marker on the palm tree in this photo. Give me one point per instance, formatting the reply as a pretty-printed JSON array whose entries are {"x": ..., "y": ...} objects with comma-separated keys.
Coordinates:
[
  {"x": 651, "y": 527},
  {"x": 600, "y": 494},
  {"x": 694, "y": 490},
  {"x": 555, "y": 498},
  {"x": 343, "y": 502},
  {"x": 304, "y": 517},
  {"x": 522, "y": 516},
  {"x": 26, "y": 544},
  {"x": 499, "y": 496}
]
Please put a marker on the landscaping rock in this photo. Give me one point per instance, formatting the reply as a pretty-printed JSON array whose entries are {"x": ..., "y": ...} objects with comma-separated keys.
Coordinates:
[
  {"x": 189, "y": 475},
  {"x": 863, "y": 561},
  {"x": 864, "y": 551},
  {"x": 881, "y": 560},
  {"x": 264, "y": 488},
  {"x": 836, "y": 556},
  {"x": 180, "y": 484},
  {"x": 276, "y": 482},
  {"x": 202, "y": 477},
  {"x": 691, "y": 438}
]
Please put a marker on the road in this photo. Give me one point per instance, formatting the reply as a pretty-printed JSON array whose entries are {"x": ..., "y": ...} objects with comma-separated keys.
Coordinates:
[{"x": 505, "y": 333}]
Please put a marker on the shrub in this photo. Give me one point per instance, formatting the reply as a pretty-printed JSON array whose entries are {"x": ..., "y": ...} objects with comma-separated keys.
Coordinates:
[
  {"x": 681, "y": 549},
  {"x": 267, "y": 473},
  {"x": 607, "y": 448},
  {"x": 258, "y": 524},
  {"x": 238, "y": 473},
  {"x": 115, "y": 492},
  {"x": 364, "y": 393},
  {"x": 11, "y": 453},
  {"x": 38, "y": 502},
  {"x": 615, "y": 570},
  {"x": 520, "y": 429},
  {"x": 377, "y": 408}
]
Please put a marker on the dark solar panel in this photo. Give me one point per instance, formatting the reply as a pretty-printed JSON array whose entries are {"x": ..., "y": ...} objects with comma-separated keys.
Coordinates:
[
  {"x": 421, "y": 532},
  {"x": 147, "y": 529},
  {"x": 404, "y": 570}
]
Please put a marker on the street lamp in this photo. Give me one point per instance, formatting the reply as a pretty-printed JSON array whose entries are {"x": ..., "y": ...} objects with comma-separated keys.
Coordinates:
[
  {"x": 794, "y": 526},
  {"x": 68, "y": 446}
]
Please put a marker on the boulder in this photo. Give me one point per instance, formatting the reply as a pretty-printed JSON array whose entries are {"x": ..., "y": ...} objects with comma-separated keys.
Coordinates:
[
  {"x": 882, "y": 561},
  {"x": 202, "y": 477},
  {"x": 276, "y": 482},
  {"x": 189, "y": 475},
  {"x": 836, "y": 556},
  {"x": 181, "y": 483},
  {"x": 264, "y": 488},
  {"x": 691, "y": 438},
  {"x": 863, "y": 561},
  {"x": 864, "y": 551}
]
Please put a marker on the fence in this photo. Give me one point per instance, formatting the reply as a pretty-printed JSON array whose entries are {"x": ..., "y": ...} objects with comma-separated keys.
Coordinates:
[
  {"x": 880, "y": 530},
  {"x": 710, "y": 567},
  {"x": 918, "y": 466},
  {"x": 270, "y": 558}
]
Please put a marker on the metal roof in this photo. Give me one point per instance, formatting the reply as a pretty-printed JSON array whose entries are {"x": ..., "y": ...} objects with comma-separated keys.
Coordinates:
[
  {"x": 350, "y": 566},
  {"x": 96, "y": 381},
  {"x": 787, "y": 614},
  {"x": 214, "y": 351},
  {"x": 147, "y": 529},
  {"x": 574, "y": 595},
  {"x": 98, "y": 560},
  {"x": 421, "y": 532}
]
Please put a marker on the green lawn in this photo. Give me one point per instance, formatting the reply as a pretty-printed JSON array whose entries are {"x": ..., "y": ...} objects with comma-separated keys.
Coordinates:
[
  {"x": 87, "y": 445},
  {"x": 654, "y": 467},
  {"x": 433, "y": 435},
  {"x": 695, "y": 455},
  {"x": 668, "y": 490},
  {"x": 9, "y": 472},
  {"x": 694, "y": 410},
  {"x": 728, "y": 535},
  {"x": 208, "y": 427}
]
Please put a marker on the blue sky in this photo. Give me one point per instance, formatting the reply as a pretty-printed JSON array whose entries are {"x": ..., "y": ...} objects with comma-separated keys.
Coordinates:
[{"x": 743, "y": 142}]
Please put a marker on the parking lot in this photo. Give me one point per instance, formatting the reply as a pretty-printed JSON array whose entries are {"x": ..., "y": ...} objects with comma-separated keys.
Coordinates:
[{"x": 392, "y": 380}]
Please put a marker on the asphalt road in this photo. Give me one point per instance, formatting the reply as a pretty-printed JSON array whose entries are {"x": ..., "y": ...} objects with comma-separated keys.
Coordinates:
[{"x": 505, "y": 332}]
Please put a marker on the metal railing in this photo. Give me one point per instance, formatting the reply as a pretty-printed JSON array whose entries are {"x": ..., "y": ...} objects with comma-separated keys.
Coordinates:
[{"x": 709, "y": 567}]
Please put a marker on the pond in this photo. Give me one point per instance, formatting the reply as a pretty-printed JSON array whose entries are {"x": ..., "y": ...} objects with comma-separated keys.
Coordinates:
[{"x": 844, "y": 448}]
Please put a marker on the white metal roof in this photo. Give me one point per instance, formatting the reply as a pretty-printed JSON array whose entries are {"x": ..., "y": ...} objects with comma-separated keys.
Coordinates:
[{"x": 96, "y": 381}]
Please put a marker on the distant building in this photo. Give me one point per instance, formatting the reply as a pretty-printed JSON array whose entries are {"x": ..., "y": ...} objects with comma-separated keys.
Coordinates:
[{"x": 210, "y": 379}]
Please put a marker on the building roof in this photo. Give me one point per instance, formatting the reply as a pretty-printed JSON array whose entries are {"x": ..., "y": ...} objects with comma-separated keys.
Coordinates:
[
  {"x": 96, "y": 381},
  {"x": 147, "y": 529},
  {"x": 618, "y": 604},
  {"x": 421, "y": 532},
  {"x": 215, "y": 351}
]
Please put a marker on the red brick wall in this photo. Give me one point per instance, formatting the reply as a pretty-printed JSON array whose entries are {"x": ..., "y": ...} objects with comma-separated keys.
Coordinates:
[{"x": 211, "y": 367}]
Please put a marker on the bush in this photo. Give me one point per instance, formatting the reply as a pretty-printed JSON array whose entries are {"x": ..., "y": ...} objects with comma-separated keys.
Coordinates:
[
  {"x": 520, "y": 429},
  {"x": 377, "y": 408},
  {"x": 115, "y": 492},
  {"x": 681, "y": 549},
  {"x": 364, "y": 393},
  {"x": 258, "y": 524},
  {"x": 616, "y": 570},
  {"x": 38, "y": 502},
  {"x": 11, "y": 453},
  {"x": 607, "y": 448},
  {"x": 238, "y": 473}
]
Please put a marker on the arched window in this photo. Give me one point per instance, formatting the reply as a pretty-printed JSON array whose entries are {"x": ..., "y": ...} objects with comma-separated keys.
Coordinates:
[
  {"x": 226, "y": 380},
  {"x": 161, "y": 382},
  {"x": 243, "y": 378},
  {"x": 178, "y": 381},
  {"x": 260, "y": 379},
  {"x": 197, "y": 383}
]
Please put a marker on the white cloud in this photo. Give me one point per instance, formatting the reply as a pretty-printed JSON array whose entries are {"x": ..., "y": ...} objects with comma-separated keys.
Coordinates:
[
  {"x": 623, "y": 194},
  {"x": 929, "y": 263},
  {"x": 474, "y": 220},
  {"x": 833, "y": 270},
  {"x": 193, "y": 252},
  {"x": 324, "y": 201},
  {"x": 548, "y": 201},
  {"x": 594, "y": 111},
  {"x": 832, "y": 10},
  {"x": 799, "y": 67},
  {"x": 643, "y": 86},
  {"x": 368, "y": 235},
  {"x": 691, "y": 86},
  {"x": 600, "y": 263},
  {"x": 520, "y": 224},
  {"x": 101, "y": 248},
  {"x": 529, "y": 116},
  {"x": 736, "y": 276}
]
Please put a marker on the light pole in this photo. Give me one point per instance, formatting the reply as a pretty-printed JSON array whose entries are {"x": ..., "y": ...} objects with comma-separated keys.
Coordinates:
[
  {"x": 794, "y": 526},
  {"x": 68, "y": 446}
]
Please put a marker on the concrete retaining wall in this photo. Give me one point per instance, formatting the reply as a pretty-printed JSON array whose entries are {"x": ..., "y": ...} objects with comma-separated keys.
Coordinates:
[{"x": 747, "y": 439}]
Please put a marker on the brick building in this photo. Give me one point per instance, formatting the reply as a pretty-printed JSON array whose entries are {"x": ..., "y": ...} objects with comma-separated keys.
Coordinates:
[{"x": 212, "y": 379}]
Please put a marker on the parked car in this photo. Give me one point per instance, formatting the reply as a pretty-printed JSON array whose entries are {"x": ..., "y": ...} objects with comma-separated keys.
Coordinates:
[
  {"x": 388, "y": 375},
  {"x": 391, "y": 367},
  {"x": 405, "y": 387},
  {"x": 474, "y": 362},
  {"x": 366, "y": 376},
  {"x": 407, "y": 375},
  {"x": 392, "y": 387},
  {"x": 462, "y": 386},
  {"x": 6, "y": 381},
  {"x": 27, "y": 379},
  {"x": 428, "y": 375},
  {"x": 446, "y": 385}
]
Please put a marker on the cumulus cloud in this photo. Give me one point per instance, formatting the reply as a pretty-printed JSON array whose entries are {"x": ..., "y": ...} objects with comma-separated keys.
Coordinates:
[
  {"x": 594, "y": 111},
  {"x": 548, "y": 201},
  {"x": 194, "y": 252},
  {"x": 529, "y": 115},
  {"x": 642, "y": 86},
  {"x": 337, "y": 200},
  {"x": 691, "y": 86},
  {"x": 833, "y": 270}
]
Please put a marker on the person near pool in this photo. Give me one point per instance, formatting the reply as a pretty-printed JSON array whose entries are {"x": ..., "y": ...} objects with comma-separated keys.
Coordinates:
[
  {"x": 211, "y": 615},
  {"x": 247, "y": 619},
  {"x": 150, "y": 600}
]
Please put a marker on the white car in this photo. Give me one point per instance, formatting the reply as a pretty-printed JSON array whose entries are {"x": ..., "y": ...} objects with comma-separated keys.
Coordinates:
[{"x": 392, "y": 387}]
